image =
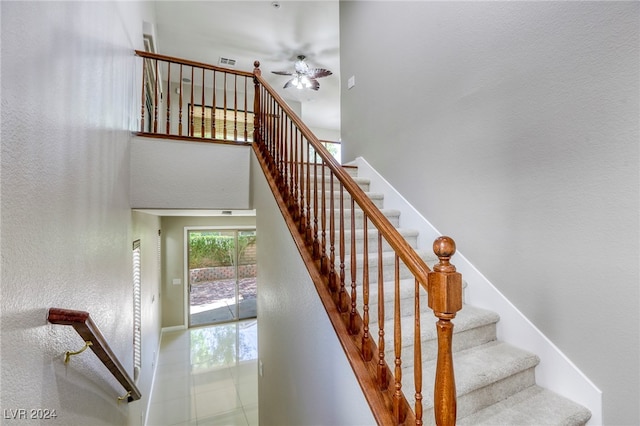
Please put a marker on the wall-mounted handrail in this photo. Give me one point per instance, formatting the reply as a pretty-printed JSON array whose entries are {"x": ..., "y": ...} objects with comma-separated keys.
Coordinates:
[{"x": 81, "y": 321}]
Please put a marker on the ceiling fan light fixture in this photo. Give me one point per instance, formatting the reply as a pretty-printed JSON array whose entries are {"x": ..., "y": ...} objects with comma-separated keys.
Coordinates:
[
  {"x": 304, "y": 77},
  {"x": 305, "y": 83}
]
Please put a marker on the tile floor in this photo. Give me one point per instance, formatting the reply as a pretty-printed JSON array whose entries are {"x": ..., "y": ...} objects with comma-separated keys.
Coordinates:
[{"x": 207, "y": 376}]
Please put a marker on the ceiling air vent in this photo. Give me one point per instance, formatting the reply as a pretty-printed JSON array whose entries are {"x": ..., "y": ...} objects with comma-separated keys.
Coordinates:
[{"x": 226, "y": 62}]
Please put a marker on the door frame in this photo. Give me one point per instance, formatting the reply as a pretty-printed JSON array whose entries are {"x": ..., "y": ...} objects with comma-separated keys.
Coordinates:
[{"x": 185, "y": 264}]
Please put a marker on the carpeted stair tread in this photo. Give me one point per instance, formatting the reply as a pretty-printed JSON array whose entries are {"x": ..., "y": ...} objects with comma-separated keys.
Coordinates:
[
  {"x": 479, "y": 373},
  {"x": 376, "y": 197},
  {"x": 468, "y": 318},
  {"x": 531, "y": 406},
  {"x": 392, "y": 214},
  {"x": 410, "y": 235}
]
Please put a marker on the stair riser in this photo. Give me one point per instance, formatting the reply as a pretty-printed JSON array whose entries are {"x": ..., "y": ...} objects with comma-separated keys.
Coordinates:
[
  {"x": 372, "y": 243},
  {"x": 351, "y": 171},
  {"x": 461, "y": 341},
  {"x": 346, "y": 200},
  {"x": 394, "y": 218},
  {"x": 388, "y": 270},
  {"x": 484, "y": 397},
  {"x": 364, "y": 184}
]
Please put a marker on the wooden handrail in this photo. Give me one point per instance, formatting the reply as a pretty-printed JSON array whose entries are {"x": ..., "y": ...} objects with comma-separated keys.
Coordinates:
[
  {"x": 288, "y": 153},
  {"x": 189, "y": 63},
  {"x": 408, "y": 255},
  {"x": 81, "y": 321}
]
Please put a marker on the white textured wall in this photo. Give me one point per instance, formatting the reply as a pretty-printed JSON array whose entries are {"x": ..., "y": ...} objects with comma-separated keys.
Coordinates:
[
  {"x": 189, "y": 175},
  {"x": 68, "y": 101},
  {"x": 513, "y": 127},
  {"x": 307, "y": 379}
]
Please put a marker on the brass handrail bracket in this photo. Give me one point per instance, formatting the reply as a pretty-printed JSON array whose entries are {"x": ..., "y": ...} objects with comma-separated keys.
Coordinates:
[
  {"x": 125, "y": 396},
  {"x": 69, "y": 354}
]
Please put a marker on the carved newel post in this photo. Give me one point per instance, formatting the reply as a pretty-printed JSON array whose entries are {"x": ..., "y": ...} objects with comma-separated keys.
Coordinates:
[
  {"x": 256, "y": 102},
  {"x": 445, "y": 298}
]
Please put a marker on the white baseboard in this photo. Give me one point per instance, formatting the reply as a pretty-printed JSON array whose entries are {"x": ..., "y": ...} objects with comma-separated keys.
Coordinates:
[
  {"x": 174, "y": 328},
  {"x": 153, "y": 380},
  {"x": 555, "y": 371}
]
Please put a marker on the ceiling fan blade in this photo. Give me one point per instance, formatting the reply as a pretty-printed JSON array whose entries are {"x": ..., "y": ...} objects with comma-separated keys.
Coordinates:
[
  {"x": 315, "y": 85},
  {"x": 282, "y": 72},
  {"x": 288, "y": 83},
  {"x": 318, "y": 73}
]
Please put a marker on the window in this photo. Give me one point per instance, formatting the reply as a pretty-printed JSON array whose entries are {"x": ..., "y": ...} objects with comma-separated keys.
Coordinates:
[
  {"x": 137, "y": 311},
  {"x": 228, "y": 124}
]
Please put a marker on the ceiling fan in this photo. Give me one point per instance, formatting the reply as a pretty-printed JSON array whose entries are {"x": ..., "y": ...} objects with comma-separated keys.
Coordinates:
[{"x": 304, "y": 77}]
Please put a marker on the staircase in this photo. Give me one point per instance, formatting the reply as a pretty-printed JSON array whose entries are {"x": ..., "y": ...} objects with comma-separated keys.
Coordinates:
[{"x": 495, "y": 381}]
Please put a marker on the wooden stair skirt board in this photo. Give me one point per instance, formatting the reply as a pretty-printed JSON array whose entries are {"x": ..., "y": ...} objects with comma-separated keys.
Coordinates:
[{"x": 495, "y": 381}]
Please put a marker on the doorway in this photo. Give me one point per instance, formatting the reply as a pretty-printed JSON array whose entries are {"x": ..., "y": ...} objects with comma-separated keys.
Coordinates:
[{"x": 221, "y": 275}]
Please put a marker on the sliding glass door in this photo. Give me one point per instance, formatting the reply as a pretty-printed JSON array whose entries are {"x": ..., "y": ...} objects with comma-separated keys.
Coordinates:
[{"x": 221, "y": 275}]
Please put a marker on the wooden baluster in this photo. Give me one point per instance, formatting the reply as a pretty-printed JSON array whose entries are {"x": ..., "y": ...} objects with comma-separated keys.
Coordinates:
[
  {"x": 269, "y": 132},
  {"x": 445, "y": 298},
  {"x": 383, "y": 377},
  {"x": 289, "y": 164},
  {"x": 309, "y": 235},
  {"x": 191, "y": 131},
  {"x": 284, "y": 167},
  {"x": 333, "y": 285},
  {"x": 180, "y": 105},
  {"x": 316, "y": 242},
  {"x": 293, "y": 207},
  {"x": 257, "y": 111},
  {"x": 296, "y": 175},
  {"x": 353, "y": 326},
  {"x": 202, "y": 107},
  {"x": 398, "y": 406},
  {"x": 302, "y": 226},
  {"x": 342, "y": 293},
  {"x": 156, "y": 92},
  {"x": 283, "y": 156},
  {"x": 278, "y": 143},
  {"x": 324, "y": 268},
  {"x": 246, "y": 112},
  {"x": 268, "y": 136},
  {"x": 235, "y": 107},
  {"x": 213, "y": 107},
  {"x": 168, "y": 129},
  {"x": 143, "y": 102},
  {"x": 224, "y": 114},
  {"x": 417, "y": 355},
  {"x": 367, "y": 351}
]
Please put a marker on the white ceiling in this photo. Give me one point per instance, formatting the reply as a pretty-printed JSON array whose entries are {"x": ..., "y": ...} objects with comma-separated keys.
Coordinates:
[{"x": 247, "y": 31}]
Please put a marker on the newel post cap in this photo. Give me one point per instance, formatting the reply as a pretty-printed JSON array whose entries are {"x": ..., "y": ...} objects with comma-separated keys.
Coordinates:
[{"x": 445, "y": 284}]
